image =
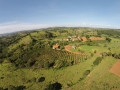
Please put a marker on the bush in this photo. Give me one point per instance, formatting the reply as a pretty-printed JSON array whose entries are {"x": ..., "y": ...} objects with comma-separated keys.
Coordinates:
[
  {"x": 16, "y": 88},
  {"x": 41, "y": 79},
  {"x": 104, "y": 54},
  {"x": 2, "y": 78},
  {"x": 109, "y": 53},
  {"x": 97, "y": 61},
  {"x": 95, "y": 51},
  {"x": 55, "y": 86},
  {"x": 86, "y": 73},
  {"x": 1, "y": 88},
  {"x": 108, "y": 39},
  {"x": 92, "y": 54}
]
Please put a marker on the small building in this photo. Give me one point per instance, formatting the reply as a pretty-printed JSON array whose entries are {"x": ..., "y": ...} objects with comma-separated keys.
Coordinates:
[
  {"x": 56, "y": 46},
  {"x": 73, "y": 47}
]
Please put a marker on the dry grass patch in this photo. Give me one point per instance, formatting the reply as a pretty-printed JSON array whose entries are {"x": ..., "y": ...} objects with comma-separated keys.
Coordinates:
[{"x": 116, "y": 68}]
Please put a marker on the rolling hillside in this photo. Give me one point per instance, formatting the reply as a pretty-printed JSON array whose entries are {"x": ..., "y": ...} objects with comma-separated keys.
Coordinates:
[{"x": 29, "y": 60}]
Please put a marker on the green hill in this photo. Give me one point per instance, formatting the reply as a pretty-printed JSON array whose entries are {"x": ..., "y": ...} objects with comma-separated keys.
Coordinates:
[{"x": 29, "y": 62}]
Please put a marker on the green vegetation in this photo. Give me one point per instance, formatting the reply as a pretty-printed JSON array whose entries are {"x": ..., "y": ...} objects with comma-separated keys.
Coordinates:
[
  {"x": 97, "y": 61},
  {"x": 28, "y": 60}
]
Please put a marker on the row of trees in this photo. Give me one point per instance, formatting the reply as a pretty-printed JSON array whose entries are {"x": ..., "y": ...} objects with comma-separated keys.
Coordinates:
[{"x": 115, "y": 55}]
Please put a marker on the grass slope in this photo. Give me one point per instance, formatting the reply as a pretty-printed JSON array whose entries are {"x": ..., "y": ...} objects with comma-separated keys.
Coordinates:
[
  {"x": 69, "y": 75},
  {"x": 25, "y": 40},
  {"x": 100, "y": 78}
]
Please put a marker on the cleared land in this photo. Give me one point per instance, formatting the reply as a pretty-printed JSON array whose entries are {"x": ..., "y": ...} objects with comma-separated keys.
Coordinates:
[
  {"x": 116, "y": 68},
  {"x": 68, "y": 47}
]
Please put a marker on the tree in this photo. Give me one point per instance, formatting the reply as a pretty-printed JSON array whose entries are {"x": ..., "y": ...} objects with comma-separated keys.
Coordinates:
[
  {"x": 109, "y": 49},
  {"x": 108, "y": 39},
  {"x": 49, "y": 35},
  {"x": 97, "y": 61},
  {"x": 41, "y": 79},
  {"x": 95, "y": 51},
  {"x": 109, "y": 53},
  {"x": 87, "y": 36},
  {"x": 54, "y": 86},
  {"x": 86, "y": 73}
]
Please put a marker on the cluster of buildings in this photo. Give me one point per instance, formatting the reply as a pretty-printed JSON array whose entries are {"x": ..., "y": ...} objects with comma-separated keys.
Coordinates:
[{"x": 74, "y": 38}]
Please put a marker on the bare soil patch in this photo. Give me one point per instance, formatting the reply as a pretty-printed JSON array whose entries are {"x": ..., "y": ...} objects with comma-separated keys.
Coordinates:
[
  {"x": 96, "y": 38},
  {"x": 84, "y": 39},
  {"x": 67, "y": 48},
  {"x": 116, "y": 68}
]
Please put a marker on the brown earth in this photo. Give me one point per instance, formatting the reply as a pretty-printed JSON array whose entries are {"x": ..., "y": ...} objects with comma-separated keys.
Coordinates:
[
  {"x": 96, "y": 38},
  {"x": 116, "y": 68},
  {"x": 84, "y": 39},
  {"x": 67, "y": 48}
]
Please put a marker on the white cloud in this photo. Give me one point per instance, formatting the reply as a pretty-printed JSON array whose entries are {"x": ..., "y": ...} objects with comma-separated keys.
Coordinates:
[{"x": 14, "y": 26}]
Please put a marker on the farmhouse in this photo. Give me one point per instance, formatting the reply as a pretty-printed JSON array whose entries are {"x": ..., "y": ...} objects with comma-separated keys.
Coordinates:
[
  {"x": 56, "y": 46},
  {"x": 84, "y": 39},
  {"x": 96, "y": 38}
]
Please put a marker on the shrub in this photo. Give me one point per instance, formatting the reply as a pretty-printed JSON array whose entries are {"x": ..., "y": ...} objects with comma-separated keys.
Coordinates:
[
  {"x": 41, "y": 79},
  {"x": 104, "y": 54},
  {"x": 86, "y": 73},
  {"x": 109, "y": 53},
  {"x": 2, "y": 78},
  {"x": 95, "y": 51},
  {"x": 54, "y": 86},
  {"x": 108, "y": 39},
  {"x": 1, "y": 88},
  {"x": 16, "y": 88},
  {"x": 92, "y": 54},
  {"x": 81, "y": 79},
  {"x": 97, "y": 61}
]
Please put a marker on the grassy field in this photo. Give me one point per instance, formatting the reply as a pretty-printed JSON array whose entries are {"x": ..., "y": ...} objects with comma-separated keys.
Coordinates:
[
  {"x": 65, "y": 76},
  {"x": 90, "y": 49},
  {"x": 114, "y": 47},
  {"x": 100, "y": 78}
]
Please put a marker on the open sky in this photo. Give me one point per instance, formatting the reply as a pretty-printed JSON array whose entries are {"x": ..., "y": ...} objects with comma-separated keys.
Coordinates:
[{"x": 18, "y": 15}]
